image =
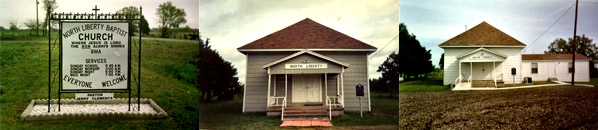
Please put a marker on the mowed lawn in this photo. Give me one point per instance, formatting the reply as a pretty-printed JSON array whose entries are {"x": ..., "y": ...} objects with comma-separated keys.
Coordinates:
[
  {"x": 424, "y": 85},
  {"x": 165, "y": 68},
  {"x": 227, "y": 115}
]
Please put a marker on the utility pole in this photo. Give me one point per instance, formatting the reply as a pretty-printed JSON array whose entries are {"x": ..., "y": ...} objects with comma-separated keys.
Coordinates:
[
  {"x": 574, "y": 45},
  {"x": 37, "y": 17}
]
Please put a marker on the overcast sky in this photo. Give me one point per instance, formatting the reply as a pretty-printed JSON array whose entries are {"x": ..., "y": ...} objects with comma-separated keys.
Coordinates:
[
  {"x": 436, "y": 21},
  {"x": 22, "y": 10},
  {"x": 232, "y": 23}
]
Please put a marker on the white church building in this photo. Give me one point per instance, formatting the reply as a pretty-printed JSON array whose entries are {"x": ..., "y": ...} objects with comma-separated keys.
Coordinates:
[{"x": 484, "y": 56}]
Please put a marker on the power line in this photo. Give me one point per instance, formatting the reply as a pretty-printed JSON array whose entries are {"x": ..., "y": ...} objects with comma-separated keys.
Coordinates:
[
  {"x": 548, "y": 28},
  {"x": 384, "y": 46}
]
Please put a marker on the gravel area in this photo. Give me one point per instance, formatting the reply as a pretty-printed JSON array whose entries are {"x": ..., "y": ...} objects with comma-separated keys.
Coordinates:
[
  {"x": 554, "y": 108},
  {"x": 91, "y": 108}
]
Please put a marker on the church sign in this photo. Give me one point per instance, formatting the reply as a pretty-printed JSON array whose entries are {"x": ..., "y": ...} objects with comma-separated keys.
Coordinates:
[
  {"x": 95, "y": 55},
  {"x": 306, "y": 66}
]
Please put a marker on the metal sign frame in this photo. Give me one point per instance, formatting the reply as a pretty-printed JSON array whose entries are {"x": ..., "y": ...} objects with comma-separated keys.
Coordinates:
[{"x": 94, "y": 18}]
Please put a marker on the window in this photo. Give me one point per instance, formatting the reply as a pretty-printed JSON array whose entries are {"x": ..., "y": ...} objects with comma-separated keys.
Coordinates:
[
  {"x": 570, "y": 67},
  {"x": 534, "y": 68}
]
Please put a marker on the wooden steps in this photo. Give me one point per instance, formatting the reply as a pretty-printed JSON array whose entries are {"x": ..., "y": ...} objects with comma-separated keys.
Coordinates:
[
  {"x": 306, "y": 112},
  {"x": 486, "y": 83}
]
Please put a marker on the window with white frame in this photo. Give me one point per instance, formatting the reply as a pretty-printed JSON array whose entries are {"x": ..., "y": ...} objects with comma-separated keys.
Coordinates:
[{"x": 534, "y": 68}]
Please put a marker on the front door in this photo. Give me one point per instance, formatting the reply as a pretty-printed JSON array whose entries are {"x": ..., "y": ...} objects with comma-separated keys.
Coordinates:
[
  {"x": 306, "y": 88},
  {"x": 482, "y": 71}
]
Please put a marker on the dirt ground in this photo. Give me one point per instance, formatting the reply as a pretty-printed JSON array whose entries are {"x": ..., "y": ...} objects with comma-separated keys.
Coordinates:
[{"x": 554, "y": 108}]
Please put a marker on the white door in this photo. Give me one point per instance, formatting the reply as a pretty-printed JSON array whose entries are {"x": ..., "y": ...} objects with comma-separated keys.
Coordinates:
[
  {"x": 551, "y": 70},
  {"x": 306, "y": 88},
  {"x": 482, "y": 71}
]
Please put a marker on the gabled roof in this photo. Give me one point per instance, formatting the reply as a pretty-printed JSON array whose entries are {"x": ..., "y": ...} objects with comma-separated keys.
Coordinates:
[
  {"x": 308, "y": 52},
  {"x": 482, "y": 49},
  {"x": 552, "y": 57},
  {"x": 307, "y": 34},
  {"x": 484, "y": 35}
]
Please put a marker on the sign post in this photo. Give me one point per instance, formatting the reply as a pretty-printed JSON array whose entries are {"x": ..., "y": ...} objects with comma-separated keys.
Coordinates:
[
  {"x": 95, "y": 55},
  {"x": 359, "y": 94},
  {"x": 513, "y": 72}
]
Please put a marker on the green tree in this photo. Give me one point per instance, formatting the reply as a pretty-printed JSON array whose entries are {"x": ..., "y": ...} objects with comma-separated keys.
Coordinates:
[
  {"x": 585, "y": 46},
  {"x": 144, "y": 26},
  {"x": 441, "y": 62},
  {"x": 415, "y": 57},
  {"x": 134, "y": 23},
  {"x": 216, "y": 77},
  {"x": 49, "y": 6},
  {"x": 169, "y": 17},
  {"x": 31, "y": 25},
  {"x": 13, "y": 25},
  {"x": 389, "y": 82}
]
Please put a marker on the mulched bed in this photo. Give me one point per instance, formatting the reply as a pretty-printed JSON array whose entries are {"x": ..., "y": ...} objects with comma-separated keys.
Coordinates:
[{"x": 555, "y": 108}]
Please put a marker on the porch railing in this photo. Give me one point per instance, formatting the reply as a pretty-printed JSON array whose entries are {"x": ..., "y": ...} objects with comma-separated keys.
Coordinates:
[
  {"x": 469, "y": 80},
  {"x": 277, "y": 101},
  {"x": 284, "y": 106},
  {"x": 458, "y": 80},
  {"x": 334, "y": 101}
]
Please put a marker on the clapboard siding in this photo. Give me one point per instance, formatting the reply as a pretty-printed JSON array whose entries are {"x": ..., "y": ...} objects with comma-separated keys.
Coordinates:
[
  {"x": 257, "y": 79},
  {"x": 352, "y": 77},
  {"x": 561, "y": 67},
  {"x": 451, "y": 64}
]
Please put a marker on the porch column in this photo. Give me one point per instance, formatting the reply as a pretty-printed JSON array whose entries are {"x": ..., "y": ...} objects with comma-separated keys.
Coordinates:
[
  {"x": 459, "y": 72},
  {"x": 343, "y": 86},
  {"x": 269, "y": 82},
  {"x": 325, "y": 85},
  {"x": 338, "y": 84},
  {"x": 275, "y": 88},
  {"x": 285, "y": 88},
  {"x": 470, "y": 70},
  {"x": 493, "y": 70}
]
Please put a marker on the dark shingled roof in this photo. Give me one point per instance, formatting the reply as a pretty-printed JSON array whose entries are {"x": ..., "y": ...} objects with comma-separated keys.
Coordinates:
[
  {"x": 307, "y": 34},
  {"x": 552, "y": 57},
  {"x": 482, "y": 34}
]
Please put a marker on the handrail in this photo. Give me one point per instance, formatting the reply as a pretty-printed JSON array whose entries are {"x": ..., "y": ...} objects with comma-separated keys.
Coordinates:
[
  {"x": 329, "y": 107},
  {"x": 458, "y": 79},
  {"x": 494, "y": 77},
  {"x": 469, "y": 80},
  {"x": 284, "y": 103}
]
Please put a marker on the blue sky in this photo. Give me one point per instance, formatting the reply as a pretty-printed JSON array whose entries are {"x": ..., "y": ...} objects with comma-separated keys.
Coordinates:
[{"x": 436, "y": 21}]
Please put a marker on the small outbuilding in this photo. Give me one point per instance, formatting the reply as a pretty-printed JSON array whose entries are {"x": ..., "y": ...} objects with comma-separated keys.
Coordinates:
[
  {"x": 305, "y": 64},
  {"x": 544, "y": 67}
]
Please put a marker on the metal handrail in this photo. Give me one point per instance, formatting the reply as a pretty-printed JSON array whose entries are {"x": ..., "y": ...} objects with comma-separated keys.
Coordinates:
[
  {"x": 458, "y": 79},
  {"x": 284, "y": 103},
  {"x": 469, "y": 80},
  {"x": 328, "y": 101}
]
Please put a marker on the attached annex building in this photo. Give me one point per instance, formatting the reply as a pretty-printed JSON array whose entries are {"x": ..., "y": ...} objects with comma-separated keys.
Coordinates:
[
  {"x": 305, "y": 64},
  {"x": 484, "y": 56}
]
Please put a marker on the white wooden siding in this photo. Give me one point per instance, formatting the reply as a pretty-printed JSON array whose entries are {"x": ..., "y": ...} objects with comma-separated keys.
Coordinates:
[
  {"x": 561, "y": 67},
  {"x": 451, "y": 64}
]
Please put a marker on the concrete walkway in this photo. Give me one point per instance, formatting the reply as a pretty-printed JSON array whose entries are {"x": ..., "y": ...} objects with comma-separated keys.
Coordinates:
[{"x": 466, "y": 87}]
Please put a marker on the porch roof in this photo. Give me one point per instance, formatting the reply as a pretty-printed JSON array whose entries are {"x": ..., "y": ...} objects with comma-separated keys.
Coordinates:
[
  {"x": 482, "y": 58},
  {"x": 304, "y": 51}
]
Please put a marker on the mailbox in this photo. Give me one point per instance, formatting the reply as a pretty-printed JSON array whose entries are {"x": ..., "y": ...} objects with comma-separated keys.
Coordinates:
[
  {"x": 513, "y": 71},
  {"x": 359, "y": 90}
]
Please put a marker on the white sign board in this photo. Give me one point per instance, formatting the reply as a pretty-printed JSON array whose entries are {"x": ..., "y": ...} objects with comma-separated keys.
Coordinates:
[
  {"x": 94, "y": 96},
  {"x": 95, "y": 56},
  {"x": 306, "y": 66}
]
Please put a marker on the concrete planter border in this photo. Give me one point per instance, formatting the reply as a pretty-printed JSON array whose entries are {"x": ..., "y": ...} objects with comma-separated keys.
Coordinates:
[{"x": 27, "y": 116}]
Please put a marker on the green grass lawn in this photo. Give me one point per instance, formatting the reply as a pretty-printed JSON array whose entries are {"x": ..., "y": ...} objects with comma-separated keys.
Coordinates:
[
  {"x": 593, "y": 81},
  {"x": 165, "y": 70},
  {"x": 425, "y": 85},
  {"x": 228, "y": 115}
]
